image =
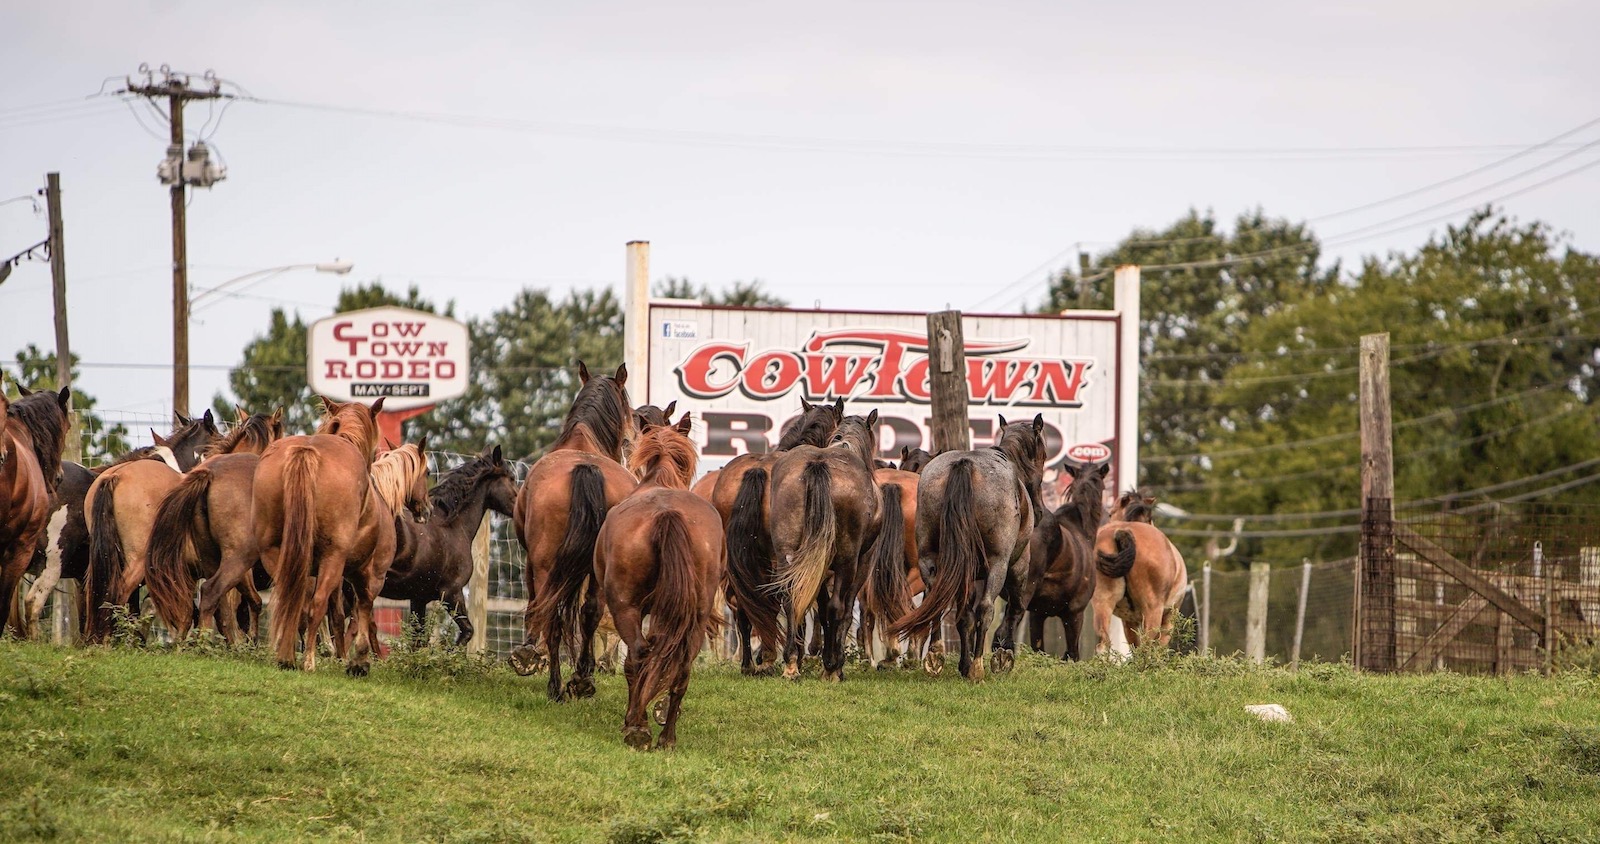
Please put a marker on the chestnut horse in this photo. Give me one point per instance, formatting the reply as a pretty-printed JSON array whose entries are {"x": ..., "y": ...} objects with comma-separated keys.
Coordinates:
[
  {"x": 1060, "y": 577},
  {"x": 1141, "y": 575},
  {"x": 318, "y": 520},
  {"x": 975, "y": 514},
  {"x": 740, "y": 496},
  {"x": 892, "y": 575},
  {"x": 825, "y": 511},
  {"x": 120, "y": 514},
  {"x": 563, "y": 502},
  {"x": 33, "y": 431},
  {"x": 660, "y": 554},
  {"x": 205, "y": 528}
]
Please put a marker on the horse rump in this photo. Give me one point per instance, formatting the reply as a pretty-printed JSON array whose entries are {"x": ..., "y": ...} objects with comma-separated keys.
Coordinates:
[
  {"x": 750, "y": 558},
  {"x": 960, "y": 555},
  {"x": 802, "y": 576},
  {"x": 887, "y": 595},
  {"x": 106, "y": 561},
  {"x": 297, "y": 538},
  {"x": 559, "y": 603},
  {"x": 676, "y": 617},
  {"x": 1119, "y": 562},
  {"x": 174, "y": 536}
]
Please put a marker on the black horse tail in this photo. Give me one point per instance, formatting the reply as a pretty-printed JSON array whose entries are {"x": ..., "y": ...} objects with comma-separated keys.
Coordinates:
[
  {"x": 801, "y": 579},
  {"x": 169, "y": 576},
  {"x": 887, "y": 595},
  {"x": 677, "y": 622},
  {"x": 559, "y": 604},
  {"x": 1119, "y": 562},
  {"x": 106, "y": 560},
  {"x": 959, "y": 558},
  {"x": 750, "y": 558},
  {"x": 291, "y": 589}
]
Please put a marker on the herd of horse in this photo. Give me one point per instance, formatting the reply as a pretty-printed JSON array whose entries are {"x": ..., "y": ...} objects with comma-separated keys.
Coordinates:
[{"x": 614, "y": 524}]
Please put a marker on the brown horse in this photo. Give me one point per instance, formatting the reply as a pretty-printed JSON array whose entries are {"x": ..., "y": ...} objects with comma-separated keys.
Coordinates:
[
  {"x": 914, "y": 459},
  {"x": 33, "y": 431},
  {"x": 1060, "y": 577},
  {"x": 63, "y": 550},
  {"x": 706, "y": 487},
  {"x": 433, "y": 559},
  {"x": 205, "y": 528},
  {"x": 318, "y": 519},
  {"x": 825, "y": 512},
  {"x": 975, "y": 514},
  {"x": 892, "y": 575},
  {"x": 740, "y": 496},
  {"x": 563, "y": 502},
  {"x": 120, "y": 515},
  {"x": 660, "y": 554},
  {"x": 1141, "y": 575}
]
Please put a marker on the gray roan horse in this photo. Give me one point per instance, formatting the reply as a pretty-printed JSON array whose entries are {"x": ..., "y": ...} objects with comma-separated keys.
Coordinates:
[
  {"x": 975, "y": 513},
  {"x": 1061, "y": 565}
]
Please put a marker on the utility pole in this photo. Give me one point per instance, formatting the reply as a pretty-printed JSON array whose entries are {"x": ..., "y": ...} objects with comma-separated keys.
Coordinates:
[
  {"x": 947, "y": 382},
  {"x": 178, "y": 172},
  {"x": 58, "y": 280}
]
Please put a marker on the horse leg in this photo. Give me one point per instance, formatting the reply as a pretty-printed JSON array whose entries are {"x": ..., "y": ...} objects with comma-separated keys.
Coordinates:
[
  {"x": 582, "y": 682},
  {"x": 326, "y": 586},
  {"x": 1072, "y": 622},
  {"x": 39, "y": 592},
  {"x": 455, "y": 603},
  {"x": 365, "y": 624},
  {"x": 1106, "y": 595},
  {"x": 984, "y": 612},
  {"x": 249, "y": 609},
  {"x": 1036, "y": 631},
  {"x": 338, "y": 617},
  {"x": 747, "y": 658},
  {"x": 669, "y": 731},
  {"x": 793, "y": 645}
]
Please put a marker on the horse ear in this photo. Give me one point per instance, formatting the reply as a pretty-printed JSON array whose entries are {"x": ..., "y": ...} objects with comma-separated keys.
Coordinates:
[
  {"x": 838, "y": 408},
  {"x": 238, "y": 413},
  {"x": 422, "y": 445},
  {"x": 905, "y": 453},
  {"x": 1038, "y": 423},
  {"x": 23, "y": 392},
  {"x": 685, "y": 424},
  {"x": 872, "y": 418},
  {"x": 156, "y": 438},
  {"x": 388, "y": 444},
  {"x": 1002, "y": 421},
  {"x": 671, "y": 406},
  {"x": 621, "y": 376},
  {"x": 805, "y": 406},
  {"x": 583, "y": 372},
  {"x": 496, "y": 456},
  {"x": 377, "y": 406},
  {"x": 182, "y": 420},
  {"x": 1105, "y": 469},
  {"x": 209, "y": 420},
  {"x": 1150, "y": 501},
  {"x": 329, "y": 406},
  {"x": 64, "y": 398},
  {"x": 277, "y": 415}
]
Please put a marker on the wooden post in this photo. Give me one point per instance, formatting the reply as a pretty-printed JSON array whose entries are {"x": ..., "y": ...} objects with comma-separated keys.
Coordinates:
[
  {"x": 478, "y": 589},
  {"x": 1549, "y": 618},
  {"x": 58, "y": 283},
  {"x": 1205, "y": 610},
  {"x": 636, "y": 320},
  {"x": 1374, "y": 633},
  {"x": 180, "y": 271},
  {"x": 1300, "y": 615},
  {"x": 947, "y": 382},
  {"x": 1255, "y": 627}
]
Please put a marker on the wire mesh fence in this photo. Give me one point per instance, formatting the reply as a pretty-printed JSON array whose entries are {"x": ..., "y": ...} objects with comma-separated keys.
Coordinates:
[{"x": 1324, "y": 628}]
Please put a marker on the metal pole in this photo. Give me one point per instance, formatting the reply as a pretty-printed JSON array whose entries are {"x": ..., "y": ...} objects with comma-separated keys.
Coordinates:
[
  {"x": 1300, "y": 614},
  {"x": 180, "y": 270}
]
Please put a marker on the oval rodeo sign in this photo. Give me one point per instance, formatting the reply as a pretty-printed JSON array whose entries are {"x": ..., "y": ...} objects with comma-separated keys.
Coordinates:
[{"x": 412, "y": 358}]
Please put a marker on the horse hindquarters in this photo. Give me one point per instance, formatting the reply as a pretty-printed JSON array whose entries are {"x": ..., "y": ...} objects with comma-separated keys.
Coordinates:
[
  {"x": 106, "y": 560},
  {"x": 169, "y": 576},
  {"x": 887, "y": 595},
  {"x": 957, "y": 561},
  {"x": 750, "y": 563},
  {"x": 293, "y": 581},
  {"x": 678, "y": 622},
  {"x": 561, "y": 612}
]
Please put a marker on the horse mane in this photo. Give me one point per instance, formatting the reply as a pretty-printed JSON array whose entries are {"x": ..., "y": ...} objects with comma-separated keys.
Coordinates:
[
  {"x": 855, "y": 433},
  {"x": 664, "y": 456},
  {"x": 1086, "y": 510},
  {"x": 1136, "y": 510},
  {"x": 41, "y": 416},
  {"x": 1025, "y": 450},
  {"x": 253, "y": 434},
  {"x": 602, "y": 407},
  {"x": 394, "y": 471},
  {"x": 451, "y": 494},
  {"x": 347, "y": 416},
  {"x": 814, "y": 427}
]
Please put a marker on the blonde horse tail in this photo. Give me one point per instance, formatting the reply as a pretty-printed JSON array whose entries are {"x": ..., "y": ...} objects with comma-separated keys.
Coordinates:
[
  {"x": 291, "y": 589},
  {"x": 801, "y": 577},
  {"x": 1119, "y": 562},
  {"x": 169, "y": 575},
  {"x": 676, "y": 618},
  {"x": 106, "y": 560}
]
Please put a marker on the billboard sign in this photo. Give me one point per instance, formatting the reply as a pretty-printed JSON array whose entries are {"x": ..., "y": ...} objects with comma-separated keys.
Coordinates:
[{"x": 414, "y": 359}]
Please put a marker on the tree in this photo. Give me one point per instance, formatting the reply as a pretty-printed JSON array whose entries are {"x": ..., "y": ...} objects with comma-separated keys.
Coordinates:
[
  {"x": 746, "y": 294},
  {"x": 101, "y": 442},
  {"x": 273, "y": 371}
]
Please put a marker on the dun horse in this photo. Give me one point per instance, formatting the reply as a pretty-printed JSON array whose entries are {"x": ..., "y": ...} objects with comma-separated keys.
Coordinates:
[
  {"x": 660, "y": 554},
  {"x": 825, "y": 511},
  {"x": 563, "y": 502},
  {"x": 1060, "y": 577},
  {"x": 1141, "y": 575},
  {"x": 33, "y": 431},
  {"x": 740, "y": 496},
  {"x": 975, "y": 514}
]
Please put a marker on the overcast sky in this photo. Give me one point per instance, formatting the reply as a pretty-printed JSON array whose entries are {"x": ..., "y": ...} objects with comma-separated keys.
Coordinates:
[{"x": 881, "y": 155}]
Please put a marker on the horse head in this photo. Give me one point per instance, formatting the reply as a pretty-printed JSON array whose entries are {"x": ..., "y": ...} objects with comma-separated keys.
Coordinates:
[
  {"x": 44, "y": 417},
  {"x": 1023, "y": 445},
  {"x": 913, "y": 459},
  {"x": 500, "y": 488},
  {"x": 1085, "y": 497},
  {"x": 665, "y": 455},
  {"x": 814, "y": 426},
  {"x": 859, "y": 434},
  {"x": 352, "y": 421},
  {"x": 600, "y": 414},
  {"x": 1135, "y": 506}
]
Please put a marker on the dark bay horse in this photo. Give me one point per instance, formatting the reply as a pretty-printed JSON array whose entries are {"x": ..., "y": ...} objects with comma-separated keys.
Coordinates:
[
  {"x": 1060, "y": 577},
  {"x": 660, "y": 555},
  {"x": 433, "y": 559},
  {"x": 892, "y": 575},
  {"x": 740, "y": 496},
  {"x": 825, "y": 512},
  {"x": 120, "y": 516},
  {"x": 33, "y": 431},
  {"x": 1141, "y": 576},
  {"x": 563, "y": 502},
  {"x": 914, "y": 459},
  {"x": 205, "y": 528},
  {"x": 318, "y": 521},
  {"x": 975, "y": 514}
]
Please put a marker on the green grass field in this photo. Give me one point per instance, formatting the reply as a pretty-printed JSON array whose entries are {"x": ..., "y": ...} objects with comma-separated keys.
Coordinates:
[{"x": 134, "y": 745}]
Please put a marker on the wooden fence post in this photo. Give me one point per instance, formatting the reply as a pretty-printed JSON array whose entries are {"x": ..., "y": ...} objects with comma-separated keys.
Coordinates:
[
  {"x": 947, "y": 382},
  {"x": 1300, "y": 615},
  {"x": 1255, "y": 627},
  {"x": 64, "y": 623},
  {"x": 1374, "y": 628},
  {"x": 478, "y": 589},
  {"x": 1205, "y": 610}
]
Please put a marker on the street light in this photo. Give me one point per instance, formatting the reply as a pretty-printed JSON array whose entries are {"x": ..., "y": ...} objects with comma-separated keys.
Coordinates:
[{"x": 180, "y": 349}]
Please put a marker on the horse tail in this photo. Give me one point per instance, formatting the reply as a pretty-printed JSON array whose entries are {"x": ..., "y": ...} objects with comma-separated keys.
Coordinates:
[
  {"x": 750, "y": 557},
  {"x": 802, "y": 576},
  {"x": 291, "y": 589},
  {"x": 557, "y": 608},
  {"x": 887, "y": 595},
  {"x": 1119, "y": 562},
  {"x": 106, "y": 560},
  {"x": 676, "y": 618},
  {"x": 960, "y": 553},
  {"x": 169, "y": 575}
]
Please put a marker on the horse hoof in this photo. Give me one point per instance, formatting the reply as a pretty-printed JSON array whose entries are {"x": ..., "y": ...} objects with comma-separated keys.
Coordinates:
[
  {"x": 637, "y": 738},
  {"x": 357, "y": 669},
  {"x": 1001, "y": 662},
  {"x": 933, "y": 665},
  {"x": 836, "y": 676},
  {"x": 526, "y": 661},
  {"x": 666, "y": 744},
  {"x": 791, "y": 672},
  {"x": 580, "y": 687},
  {"x": 659, "y": 712}
]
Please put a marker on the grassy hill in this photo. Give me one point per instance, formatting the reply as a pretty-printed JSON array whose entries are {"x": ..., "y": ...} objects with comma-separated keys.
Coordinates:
[{"x": 133, "y": 745}]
